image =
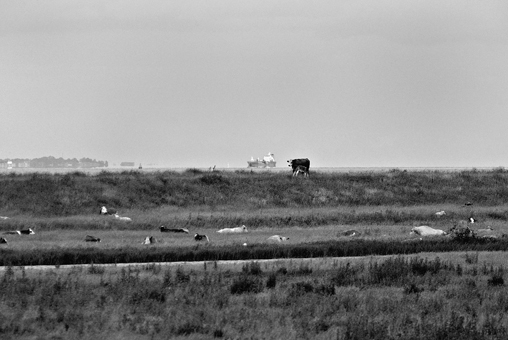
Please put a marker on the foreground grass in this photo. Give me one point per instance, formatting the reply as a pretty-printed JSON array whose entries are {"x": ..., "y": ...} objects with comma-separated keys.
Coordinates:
[{"x": 391, "y": 298}]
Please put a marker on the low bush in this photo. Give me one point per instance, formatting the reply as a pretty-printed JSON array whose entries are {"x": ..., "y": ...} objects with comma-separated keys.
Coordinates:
[{"x": 246, "y": 284}]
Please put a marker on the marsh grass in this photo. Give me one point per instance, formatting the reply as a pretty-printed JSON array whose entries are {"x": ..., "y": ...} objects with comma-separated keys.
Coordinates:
[
  {"x": 410, "y": 297},
  {"x": 399, "y": 297},
  {"x": 258, "y": 199},
  {"x": 141, "y": 253}
]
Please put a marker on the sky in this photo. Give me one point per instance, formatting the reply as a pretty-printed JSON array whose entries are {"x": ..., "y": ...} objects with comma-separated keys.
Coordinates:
[{"x": 197, "y": 83}]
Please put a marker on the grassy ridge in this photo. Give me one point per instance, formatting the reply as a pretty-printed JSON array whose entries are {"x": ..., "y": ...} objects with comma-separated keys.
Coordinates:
[
  {"x": 64, "y": 256},
  {"x": 43, "y": 195}
]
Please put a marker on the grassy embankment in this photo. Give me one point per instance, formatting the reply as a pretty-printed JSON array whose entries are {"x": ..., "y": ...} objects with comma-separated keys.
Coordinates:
[{"x": 67, "y": 203}]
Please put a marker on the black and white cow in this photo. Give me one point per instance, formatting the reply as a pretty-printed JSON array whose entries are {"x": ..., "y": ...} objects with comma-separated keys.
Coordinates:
[
  {"x": 163, "y": 229},
  {"x": 107, "y": 211},
  {"x": 149, "y": 240},
  {"x": 90, "y": 238},
  {"x": 199, "y": 237},
  {"x": 3, "y": 240},
  {"x": 351, "y": 232},
  {"x": 294, "y": 163},
  {"x": 28, "y": 231}
]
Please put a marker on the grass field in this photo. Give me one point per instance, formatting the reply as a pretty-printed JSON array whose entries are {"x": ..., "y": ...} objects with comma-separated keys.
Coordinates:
[{"x": 424, "y": 294}]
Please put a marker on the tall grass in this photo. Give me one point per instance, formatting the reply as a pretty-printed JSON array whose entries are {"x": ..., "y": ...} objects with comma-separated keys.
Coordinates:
[{"x": 395, "y": 298}]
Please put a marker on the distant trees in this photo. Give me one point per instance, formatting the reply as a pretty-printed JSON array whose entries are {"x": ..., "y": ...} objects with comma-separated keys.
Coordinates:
[{"x": 52, "y": 162}]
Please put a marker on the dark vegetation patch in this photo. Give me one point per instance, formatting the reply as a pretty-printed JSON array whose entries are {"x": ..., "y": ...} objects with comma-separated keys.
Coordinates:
[{"x": 338, "y": 248}]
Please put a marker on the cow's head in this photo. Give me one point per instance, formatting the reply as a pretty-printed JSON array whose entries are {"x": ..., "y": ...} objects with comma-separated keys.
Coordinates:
[
  {"x": 290, "y": 161},
  {"x": 104, "y": 210}
]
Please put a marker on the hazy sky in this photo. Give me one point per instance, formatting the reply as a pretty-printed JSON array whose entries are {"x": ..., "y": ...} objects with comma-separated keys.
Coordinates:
[{"x": 352, "y": 83}]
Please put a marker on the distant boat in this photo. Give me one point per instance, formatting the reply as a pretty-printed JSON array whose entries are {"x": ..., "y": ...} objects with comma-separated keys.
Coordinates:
[
  {"x": 267, "y": 162},
  {"x": 127, "y": 164}
]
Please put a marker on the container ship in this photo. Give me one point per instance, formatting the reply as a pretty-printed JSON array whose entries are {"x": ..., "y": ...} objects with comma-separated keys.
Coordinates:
[{"x": 266, "y": 162}]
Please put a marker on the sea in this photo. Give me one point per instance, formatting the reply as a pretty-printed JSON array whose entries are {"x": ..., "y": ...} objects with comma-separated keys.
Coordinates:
[{"x": 227, "y": 169}]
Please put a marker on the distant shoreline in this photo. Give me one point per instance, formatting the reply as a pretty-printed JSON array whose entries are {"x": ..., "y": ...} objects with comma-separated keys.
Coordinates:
[{"x": 276, "y": 169}]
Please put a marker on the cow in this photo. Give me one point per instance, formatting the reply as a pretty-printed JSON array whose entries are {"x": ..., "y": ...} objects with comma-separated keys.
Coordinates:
[
  {"x": 486, "y": 233},
  {"x": 3, "y": 240},
  {"x": 294, "y": 163},
  {"x": 122, "y": 218},
  {"x": 12, "y": 232},
  {"x": 277, "y": 238},
  {"x": 301, "y": 169},
  {"x": 163, "y": 229},
  {"x": 199, "y": 237},
  {"x": 89, "y": 238},
  {"x": 427, "y": 231},
  {"x": 149, "y": 240},
  {"x": 28, "y": 231},
  {"x": 351, "y": 233},
  {"x": 237, "y": 230},
  {"x": 441, "y": 213},
  {"x": 106, "y": 211}
]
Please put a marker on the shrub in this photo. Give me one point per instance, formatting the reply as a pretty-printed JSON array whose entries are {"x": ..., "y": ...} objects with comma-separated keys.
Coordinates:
[
  {"x": 253, "y": 268},
  {"x": 92, "y": 269},
  {"x": 412, "y": 289},
  {"x": 181, "y": 276},
  {"x": 213, "y": 179},
  {"x": 246, "y": 284},
  {"x": 471, "y": 258},
  {"x": 496, "y": 280},
  {"x": 272, "y": 281},
  {"x": 300, "y": 288}
]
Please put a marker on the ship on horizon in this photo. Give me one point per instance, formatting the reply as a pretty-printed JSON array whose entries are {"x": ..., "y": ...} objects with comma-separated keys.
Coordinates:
[{"x": 266, "y": 162}]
